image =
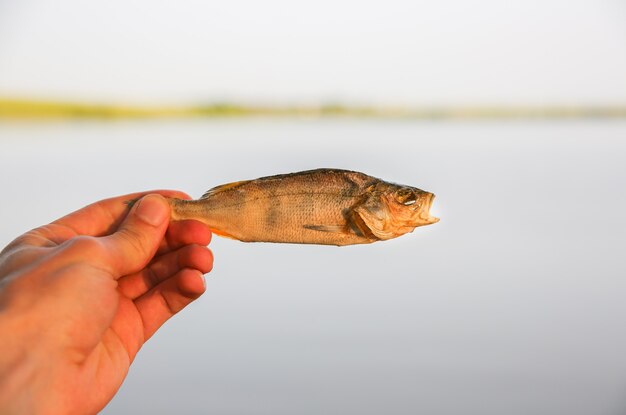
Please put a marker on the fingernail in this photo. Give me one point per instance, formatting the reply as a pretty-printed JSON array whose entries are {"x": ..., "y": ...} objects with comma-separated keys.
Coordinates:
[{"x": 151, "y": 210}]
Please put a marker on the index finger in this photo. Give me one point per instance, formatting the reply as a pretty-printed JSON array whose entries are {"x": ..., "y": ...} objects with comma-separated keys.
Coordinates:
[
  {"x": 103, "y": 217},
  {"x": 97, "y": 219}
]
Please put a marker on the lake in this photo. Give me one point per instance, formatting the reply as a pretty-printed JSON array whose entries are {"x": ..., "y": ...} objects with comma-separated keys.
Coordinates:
[{"x": 515, "y": 303}]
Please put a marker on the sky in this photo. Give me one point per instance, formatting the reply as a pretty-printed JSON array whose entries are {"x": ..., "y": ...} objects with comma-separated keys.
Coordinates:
[{"x": 489, "y": 52}]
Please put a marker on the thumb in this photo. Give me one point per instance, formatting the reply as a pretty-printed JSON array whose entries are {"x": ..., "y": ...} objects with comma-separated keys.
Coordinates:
[{"x": 135, "y": 242}]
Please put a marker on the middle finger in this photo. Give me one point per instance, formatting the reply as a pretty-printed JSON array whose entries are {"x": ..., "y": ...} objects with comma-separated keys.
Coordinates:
[{"x": 163, "y": 267}]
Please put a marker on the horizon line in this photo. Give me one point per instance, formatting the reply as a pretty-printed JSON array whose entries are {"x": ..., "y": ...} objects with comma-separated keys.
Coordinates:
[{"x": 34, "y": 109}]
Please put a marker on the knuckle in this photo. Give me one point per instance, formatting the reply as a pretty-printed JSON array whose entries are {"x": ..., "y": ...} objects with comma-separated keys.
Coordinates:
[
  {"x": 134, "y": 239},
  {"x": 152, "y": 278},
  {"x": 169, "y": 305},
  {"x": 86, "y": 245}
]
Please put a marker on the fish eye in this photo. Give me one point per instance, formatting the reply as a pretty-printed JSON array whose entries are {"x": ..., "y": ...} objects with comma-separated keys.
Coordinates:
[{"x": 406, "y": 196}]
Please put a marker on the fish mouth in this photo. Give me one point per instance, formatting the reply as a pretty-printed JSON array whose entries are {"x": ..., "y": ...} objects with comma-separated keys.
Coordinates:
[{"x": 428, "y": 217}]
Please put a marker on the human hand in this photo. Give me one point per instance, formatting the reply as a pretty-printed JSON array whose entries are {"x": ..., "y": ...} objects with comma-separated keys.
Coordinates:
[{"x": 80, "y": 296}]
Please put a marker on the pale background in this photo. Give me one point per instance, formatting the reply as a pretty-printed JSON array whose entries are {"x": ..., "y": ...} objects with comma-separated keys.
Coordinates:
[
  {"x": 512, "y": 304},
  {"x": 397, "y": 51}
]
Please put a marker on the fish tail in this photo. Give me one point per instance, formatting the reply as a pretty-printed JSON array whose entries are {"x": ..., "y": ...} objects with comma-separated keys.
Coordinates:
[
  {"x": 185, "y": 209},
  {"x": 194, "y": 209}
]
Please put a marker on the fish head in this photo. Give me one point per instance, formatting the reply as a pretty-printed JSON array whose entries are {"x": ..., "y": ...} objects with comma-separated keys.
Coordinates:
[
  {"x": 392, "y": 210},
  {"x": 410, "y": 206}
]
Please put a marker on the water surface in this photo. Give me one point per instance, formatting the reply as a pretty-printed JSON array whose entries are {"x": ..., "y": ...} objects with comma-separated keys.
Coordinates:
[{"x": 513, "y": 303}]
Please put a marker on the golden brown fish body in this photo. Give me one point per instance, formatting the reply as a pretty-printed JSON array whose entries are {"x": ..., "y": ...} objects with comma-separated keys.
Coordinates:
[{"x": 324, "y": 206}]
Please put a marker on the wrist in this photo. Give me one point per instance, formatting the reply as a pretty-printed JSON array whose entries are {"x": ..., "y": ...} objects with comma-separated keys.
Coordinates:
[{"x": 17, "y": 366}]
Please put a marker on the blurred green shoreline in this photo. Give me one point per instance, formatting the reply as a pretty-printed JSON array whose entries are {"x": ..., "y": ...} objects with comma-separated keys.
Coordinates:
[{"x": 26, "y": 109}]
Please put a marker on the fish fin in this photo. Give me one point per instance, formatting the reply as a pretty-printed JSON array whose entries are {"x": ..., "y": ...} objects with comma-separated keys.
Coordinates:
[
  {"x": 223, "y": 234},
  {"x": 222, "y": 187},
  {"x": 327, "y": 228}
]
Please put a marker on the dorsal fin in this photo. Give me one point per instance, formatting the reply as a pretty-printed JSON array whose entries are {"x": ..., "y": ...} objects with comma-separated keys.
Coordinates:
[{"x": 222, "y": 187}]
